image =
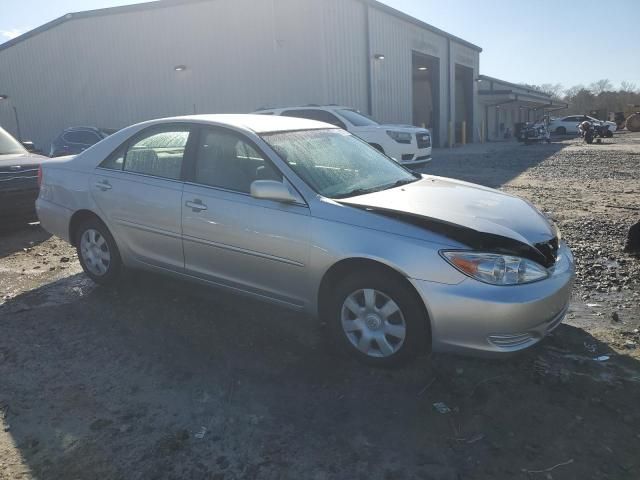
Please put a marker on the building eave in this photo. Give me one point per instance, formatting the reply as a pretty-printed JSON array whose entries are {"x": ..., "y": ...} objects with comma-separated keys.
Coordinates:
[
  {"x": 408, "y": 18},
  {"x": 171, "y": 3},
  {"x": 136, "y": 7}
]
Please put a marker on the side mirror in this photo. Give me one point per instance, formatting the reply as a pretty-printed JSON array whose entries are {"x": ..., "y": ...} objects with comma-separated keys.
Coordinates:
[{"x": 272, "y": 190}]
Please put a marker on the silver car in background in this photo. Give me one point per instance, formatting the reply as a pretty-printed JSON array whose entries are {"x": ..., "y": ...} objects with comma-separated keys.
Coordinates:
[{"x": 306, "y": 215}]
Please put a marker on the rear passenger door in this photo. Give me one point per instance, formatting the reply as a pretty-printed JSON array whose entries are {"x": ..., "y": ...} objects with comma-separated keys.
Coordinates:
[
  {"x": 138, "y": 190},
  {"x": 232, "y": 239}
]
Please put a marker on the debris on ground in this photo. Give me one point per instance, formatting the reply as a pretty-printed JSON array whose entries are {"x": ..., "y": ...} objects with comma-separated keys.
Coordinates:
[{"x": 441, "y": 407}]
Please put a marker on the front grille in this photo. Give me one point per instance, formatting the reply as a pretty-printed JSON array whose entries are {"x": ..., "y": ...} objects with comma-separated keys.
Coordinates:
[
  {"x": 549, "y": 250},
  {"x": 423, "y": 139},
  {"x": 407, "y": 156}
]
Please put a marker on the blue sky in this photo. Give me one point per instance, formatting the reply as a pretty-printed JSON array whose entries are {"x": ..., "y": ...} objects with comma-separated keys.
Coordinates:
[{"x": 542, "y": 42}]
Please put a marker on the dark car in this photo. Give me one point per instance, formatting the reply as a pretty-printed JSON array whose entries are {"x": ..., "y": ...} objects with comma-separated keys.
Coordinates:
[
  {"x": 74, "y": 140},
  {"x": 18, "y": 179}
]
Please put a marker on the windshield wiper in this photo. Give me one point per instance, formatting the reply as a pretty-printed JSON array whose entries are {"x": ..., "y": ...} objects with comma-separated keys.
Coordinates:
[
  {"x": 363, "y": 191},
  {"x": 356, "y": 192},
  {"x": 399, "y": 183}
]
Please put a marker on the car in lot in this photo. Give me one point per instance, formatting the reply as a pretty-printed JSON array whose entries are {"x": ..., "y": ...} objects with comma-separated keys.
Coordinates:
[
  {"x": 74, "y": 140},
  {"x": 408, "y": 145},
  {"x": 569, "y": 124},
  {"x": 18, "y": 180},
  {"x": 309, "y": 216}
]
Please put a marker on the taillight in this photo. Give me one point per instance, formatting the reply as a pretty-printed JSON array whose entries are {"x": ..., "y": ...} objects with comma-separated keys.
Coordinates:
[{"x": 39, "y": 176}]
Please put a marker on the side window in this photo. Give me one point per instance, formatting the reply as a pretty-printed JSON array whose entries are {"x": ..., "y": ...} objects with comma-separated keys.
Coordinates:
[
  {"x": 159, "y": 153},
  {"x": 225, "y": 160},
  {"x": 82, "y": 137},
  {"x": 319, "y": 115},
  {"x": 115, "y": 161}
]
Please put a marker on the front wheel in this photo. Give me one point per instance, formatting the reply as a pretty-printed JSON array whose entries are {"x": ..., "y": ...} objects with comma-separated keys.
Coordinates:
[
  {"x": 98, "y": 252},
  {"x": 377, "y": 318}
]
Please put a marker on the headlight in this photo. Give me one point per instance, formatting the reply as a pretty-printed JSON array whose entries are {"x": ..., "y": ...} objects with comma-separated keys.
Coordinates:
[
  {"x": 494, "y": 268},
  {"x": 400, "y": 137}
]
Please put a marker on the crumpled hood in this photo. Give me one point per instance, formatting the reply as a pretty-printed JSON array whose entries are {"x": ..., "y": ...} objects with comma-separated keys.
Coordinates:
[{"x": 461, "y": 204}]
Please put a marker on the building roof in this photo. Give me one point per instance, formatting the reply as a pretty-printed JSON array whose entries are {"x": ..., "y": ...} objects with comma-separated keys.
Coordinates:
[
  {"x": 523, "y": 88},
  {"x": 171, "y": 3},
  {"x": 500, "y": 92}
]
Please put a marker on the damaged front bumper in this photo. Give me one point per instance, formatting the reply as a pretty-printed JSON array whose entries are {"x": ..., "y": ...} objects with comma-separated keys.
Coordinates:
[{"x": 477, "y": 318}]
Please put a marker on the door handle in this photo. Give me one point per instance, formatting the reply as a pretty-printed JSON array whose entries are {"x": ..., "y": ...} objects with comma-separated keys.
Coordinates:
[
  {"x": 196, "y": 205},
  {"x": 104, "y": 185}
]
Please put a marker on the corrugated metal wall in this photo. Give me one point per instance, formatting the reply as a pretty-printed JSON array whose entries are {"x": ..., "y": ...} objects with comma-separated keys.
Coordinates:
[
  {"x": 396, "y": 39},
  {"x": 117, "y": 69}
]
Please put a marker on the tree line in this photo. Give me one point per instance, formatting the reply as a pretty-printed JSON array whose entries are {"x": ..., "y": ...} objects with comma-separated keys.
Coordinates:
[{"x": 599, "y": 96}]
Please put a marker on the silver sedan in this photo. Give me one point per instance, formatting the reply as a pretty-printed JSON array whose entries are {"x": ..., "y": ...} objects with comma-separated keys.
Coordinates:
[{"x": 308, "y": 216}]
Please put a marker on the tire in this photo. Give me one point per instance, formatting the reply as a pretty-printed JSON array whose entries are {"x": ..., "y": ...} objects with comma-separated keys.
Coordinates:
[
  {"x": 588, "y": 138},
  {"x": 609, "y": 134},
  {"x": 561, "y": 131},
  {"x": 98, "y": 252},
  {"x": 386, "y": 346}
]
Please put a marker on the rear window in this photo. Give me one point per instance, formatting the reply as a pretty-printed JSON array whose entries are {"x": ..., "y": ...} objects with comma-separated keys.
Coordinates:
[
  {"x": 357, "y": 119},
  {"x": 83, "y": 137}
]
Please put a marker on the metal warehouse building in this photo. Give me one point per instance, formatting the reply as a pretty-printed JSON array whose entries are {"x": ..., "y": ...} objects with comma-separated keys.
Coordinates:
[{"x": 113, "y": 67}]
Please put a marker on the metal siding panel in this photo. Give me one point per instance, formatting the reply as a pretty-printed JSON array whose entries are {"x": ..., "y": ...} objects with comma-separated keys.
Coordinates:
[
  {"x": 117, "y": 69},
  {"x": 346, "y": 61},
  {"x": 391, "y": 77}
]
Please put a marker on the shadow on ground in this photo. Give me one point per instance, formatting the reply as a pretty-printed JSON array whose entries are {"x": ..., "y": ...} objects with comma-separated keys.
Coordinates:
[
  {"x": 161, "y": 379},
  {"x": 490, "y": 164},
  {"x": 15, "y": 236}
]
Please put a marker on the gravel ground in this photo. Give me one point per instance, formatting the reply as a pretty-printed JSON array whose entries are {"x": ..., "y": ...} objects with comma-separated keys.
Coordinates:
[{"x": 161, "y": 379}]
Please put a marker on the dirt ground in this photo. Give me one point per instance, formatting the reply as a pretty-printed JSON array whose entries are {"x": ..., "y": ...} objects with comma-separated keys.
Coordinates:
[{"x": 161, "y": 379}]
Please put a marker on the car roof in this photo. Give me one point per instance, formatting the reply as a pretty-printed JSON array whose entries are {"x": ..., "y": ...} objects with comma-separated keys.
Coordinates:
[
  {"x": 253, "y": 123},
  {"x": 306, "y": 107}
]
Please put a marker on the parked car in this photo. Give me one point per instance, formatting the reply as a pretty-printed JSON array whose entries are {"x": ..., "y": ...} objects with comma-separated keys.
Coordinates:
[
  {"x": 18, "y": 180},
  {"x": 569, "y": 124},
  {"x": 309, "y": 216},
  {"x": 406, "y": 144},
  {"x": 74, "y": 140}
]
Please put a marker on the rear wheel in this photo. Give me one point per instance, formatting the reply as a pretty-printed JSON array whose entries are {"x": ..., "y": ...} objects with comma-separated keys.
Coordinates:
[
  {"x": 588, "y": 137},
  {"x": 377, "y": 318},
  {"x": 98, "y": 252}
]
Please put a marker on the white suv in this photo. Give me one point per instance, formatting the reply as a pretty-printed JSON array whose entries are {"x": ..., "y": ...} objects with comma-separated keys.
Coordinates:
[{"x": 406, "y": 144}]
